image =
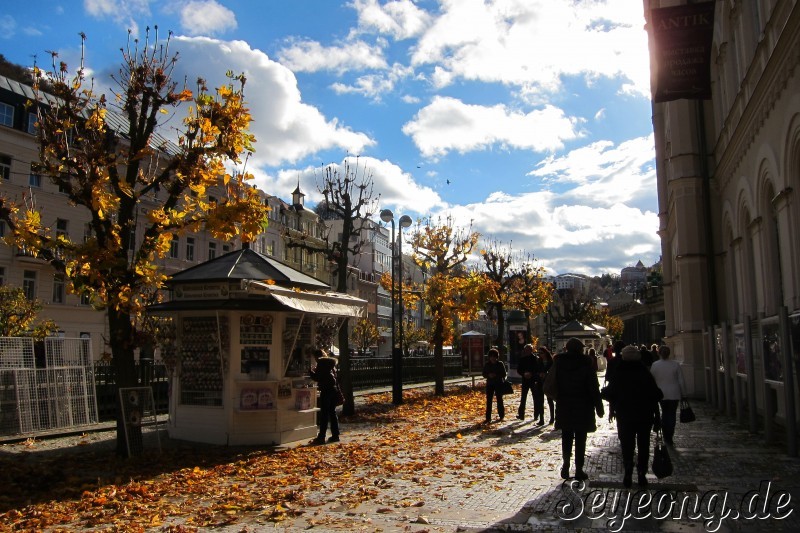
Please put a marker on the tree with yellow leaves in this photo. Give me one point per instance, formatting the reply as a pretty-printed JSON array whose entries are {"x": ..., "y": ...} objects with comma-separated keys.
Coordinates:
[
  {"x": 107, "y": 155},
  {"x": 514, "y": 282},
  {"x": 451, "y": 291},
  {"x": 364, "y": 335},
  {"x": 18, "y": 315}
]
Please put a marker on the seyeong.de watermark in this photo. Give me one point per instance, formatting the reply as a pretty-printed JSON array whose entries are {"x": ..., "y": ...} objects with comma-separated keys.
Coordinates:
[{"x": 713, "y": 507}]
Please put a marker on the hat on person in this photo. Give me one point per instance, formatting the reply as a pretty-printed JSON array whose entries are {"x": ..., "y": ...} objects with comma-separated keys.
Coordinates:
[
  {"x": 631, "y": 353},
  {"x": 574, "y": 345}
]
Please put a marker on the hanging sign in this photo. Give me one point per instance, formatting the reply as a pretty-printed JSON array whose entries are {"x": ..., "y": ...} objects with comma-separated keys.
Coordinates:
[{"x": 681, "y": 42}]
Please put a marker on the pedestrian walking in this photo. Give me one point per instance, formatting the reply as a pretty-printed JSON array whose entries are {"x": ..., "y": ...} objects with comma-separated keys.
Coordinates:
[
  {"x": 324, "y": 373},
  {"x": 546, "y": 360},
  {"x": 669, "y": 378},
  {"x": 495, "y": 373},
  {"x": 633, "y": 399},
  {"x": 577, "y": 401},
  {"x": 529, "y": 369}
]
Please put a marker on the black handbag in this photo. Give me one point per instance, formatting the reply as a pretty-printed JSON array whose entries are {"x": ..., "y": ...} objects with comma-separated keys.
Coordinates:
[
  {"x": 687, "y": 415},
  {"x": 506, "y": 387},
  {"x": 339, "y": 396},
  {"x": 662, "y": 463}
]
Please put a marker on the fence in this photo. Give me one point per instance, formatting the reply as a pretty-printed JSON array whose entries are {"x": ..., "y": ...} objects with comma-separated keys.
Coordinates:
[
  {"x": 149, "y": 374},
  {"x": 55, "y": 385},
  {"x": 45, "y": 386},
  {"x": 375, "y": 372}
]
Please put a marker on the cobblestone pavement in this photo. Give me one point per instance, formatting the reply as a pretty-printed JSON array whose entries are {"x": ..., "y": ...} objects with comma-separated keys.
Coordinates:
[{"x": 725, "y": 479}]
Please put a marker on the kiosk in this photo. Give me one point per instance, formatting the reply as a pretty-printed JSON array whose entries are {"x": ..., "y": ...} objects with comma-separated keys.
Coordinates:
[{"x": 237, "y": 335}]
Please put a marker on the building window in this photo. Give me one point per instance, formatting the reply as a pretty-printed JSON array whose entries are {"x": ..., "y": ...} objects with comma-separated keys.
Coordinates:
[
  {"x": 29, "y": 284},
  {"x": 31, "y": 126},
  {"x": 35, "y": 179},
  {"x": 87, "y": 232},
  {"x": 132, "y": 243},
  {"x": 6, "y": 115},
  {"x": 85, "y": 299},
  {"x": 61, "y": 228},
  {"x": 226, "y": 248},
  {"x": 2, "y": 229},
  {"x": 271, "y": 248},
  {"x": 5, "y": 166},
  {"x": 58, "y": 289},
  {"x": 173, "y": 247},
  {"x": 2, "y": 275},
  {"x": 190, "y": 248},
  {"x": 212, "y": 250}
]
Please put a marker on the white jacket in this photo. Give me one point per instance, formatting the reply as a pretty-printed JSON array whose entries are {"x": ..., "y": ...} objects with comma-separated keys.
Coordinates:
[{"x": 669, "y": 378}]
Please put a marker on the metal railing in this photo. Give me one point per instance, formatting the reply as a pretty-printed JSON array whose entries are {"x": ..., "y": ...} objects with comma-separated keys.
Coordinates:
[{"x": 376, "y": 372}]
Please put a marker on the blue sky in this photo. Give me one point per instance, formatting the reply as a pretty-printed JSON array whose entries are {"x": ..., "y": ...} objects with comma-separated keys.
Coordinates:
[{"x": 537, "y": 112}]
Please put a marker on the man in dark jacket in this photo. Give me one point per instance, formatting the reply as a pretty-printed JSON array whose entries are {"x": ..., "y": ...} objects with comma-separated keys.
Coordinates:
[
  {"x": 529, "y": 368},
  {"x": 577, "y": 401},
  {"x": 633, "y": 399},
  {"x": 495, "y": 373}
]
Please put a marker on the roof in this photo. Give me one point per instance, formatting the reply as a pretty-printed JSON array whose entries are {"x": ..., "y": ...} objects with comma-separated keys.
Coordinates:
[
  {"x": 115, "y": 121},
  {"x": 250, "y": 265}
]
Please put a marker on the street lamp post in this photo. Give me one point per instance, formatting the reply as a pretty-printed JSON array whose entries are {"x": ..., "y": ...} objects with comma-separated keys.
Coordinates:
[
  {"x": 397, "y": 352},
  {"x": 404, "y": 222}
]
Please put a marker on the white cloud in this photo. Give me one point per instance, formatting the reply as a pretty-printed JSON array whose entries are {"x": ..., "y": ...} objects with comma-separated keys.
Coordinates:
[
  {"x": 8, "y": 27},
  {"x": 286, "y": 128},
  {"x": 565, "y": 237},
  {"x": 534, "y": 43},
  {"x": 399, "y": 18},
  {"x": 374, "y": 86},
  {"x": 311, "y": 56},
  {"x": 206, "y": 17},
  {"x": 601, "y": 221},
  {"x": 397, "y": 188},
  {"x": 448, "y": 124},
  {"x": 604, "y": 174},
  {"x": 122, "y": 12}
]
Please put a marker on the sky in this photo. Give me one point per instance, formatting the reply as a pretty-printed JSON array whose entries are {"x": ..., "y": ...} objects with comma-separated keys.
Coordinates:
[{"x": 529, "y": 120}]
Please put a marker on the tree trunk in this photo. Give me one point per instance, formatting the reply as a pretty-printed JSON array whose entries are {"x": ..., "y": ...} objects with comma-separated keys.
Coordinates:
[
  {"x": 438, "y": 356},
  {"x": 501, "y": 326},
  {"x": 120, "y": 331},
  {"x": 345, "y": 376}
]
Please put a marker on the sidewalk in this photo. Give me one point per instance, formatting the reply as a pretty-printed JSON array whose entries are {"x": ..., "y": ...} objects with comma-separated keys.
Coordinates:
[
  {"x": 459, "y": 474},
  {"x": 717, "y": 466}
]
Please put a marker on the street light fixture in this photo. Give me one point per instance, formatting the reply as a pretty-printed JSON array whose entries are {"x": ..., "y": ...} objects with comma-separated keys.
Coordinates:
[
  {"x": 397, "y": 352},
  {"x": 404, "y": 222}
]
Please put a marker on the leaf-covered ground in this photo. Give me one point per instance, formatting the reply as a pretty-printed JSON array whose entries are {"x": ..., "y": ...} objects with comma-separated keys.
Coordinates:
[{"x": 388, "y": 459}]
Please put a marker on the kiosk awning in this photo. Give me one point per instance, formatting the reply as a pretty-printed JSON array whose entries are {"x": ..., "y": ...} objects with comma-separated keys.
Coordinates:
[{"x": 329, "y": 303}]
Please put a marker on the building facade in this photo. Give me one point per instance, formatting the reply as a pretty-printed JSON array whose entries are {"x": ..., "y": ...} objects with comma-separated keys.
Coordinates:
[{"x": 728, "y": 183}]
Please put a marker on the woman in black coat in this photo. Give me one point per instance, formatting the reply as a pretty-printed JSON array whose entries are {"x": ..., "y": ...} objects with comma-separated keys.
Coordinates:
[
  {"x": 633, "y": 399},
  {"x": 324, "y": 373},
  {"x": 577, "y": 401}
]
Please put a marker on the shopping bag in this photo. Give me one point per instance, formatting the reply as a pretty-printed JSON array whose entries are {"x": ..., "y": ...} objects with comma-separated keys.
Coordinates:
[
  {"x": 550, "y": 386},
  {"x": 506, "y": 387},
  {"x": 662, "y": 463},
  {"x": 687, "y": 414}
]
